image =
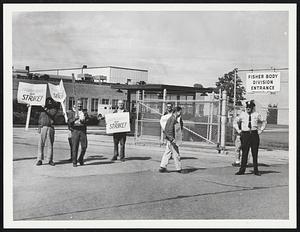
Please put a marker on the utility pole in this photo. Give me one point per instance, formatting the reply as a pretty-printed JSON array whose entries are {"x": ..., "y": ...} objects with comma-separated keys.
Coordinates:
[{"x": 234, "y": 93}]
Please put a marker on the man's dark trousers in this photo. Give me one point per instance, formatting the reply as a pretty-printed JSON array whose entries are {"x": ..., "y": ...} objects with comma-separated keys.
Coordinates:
[
  {"x": 71, "y": 146},
  {"x": 249, "y": 139},
  {"x": 119, "y": 138},
  {"x": 78, "y": 136}
]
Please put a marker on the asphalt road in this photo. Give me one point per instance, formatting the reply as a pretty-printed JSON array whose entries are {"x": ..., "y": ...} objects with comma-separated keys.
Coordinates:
[{"x": 135, "y": 190}]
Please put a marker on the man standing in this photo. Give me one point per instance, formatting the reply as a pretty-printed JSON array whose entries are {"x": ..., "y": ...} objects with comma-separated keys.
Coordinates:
[
  {"x": 119, "y": 137},
  {"x": 249, "y": 135},
  {"x": 46, "y": 131},
  {"x": 171, "y": 146},
  {"x": 77, "y": 124}
]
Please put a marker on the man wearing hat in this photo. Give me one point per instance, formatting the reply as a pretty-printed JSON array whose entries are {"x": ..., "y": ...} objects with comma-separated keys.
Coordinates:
[
  {"x": 249, "y": 135},
  {"x": 77, "y": 124},
  {"x": 46, "y": 131}
]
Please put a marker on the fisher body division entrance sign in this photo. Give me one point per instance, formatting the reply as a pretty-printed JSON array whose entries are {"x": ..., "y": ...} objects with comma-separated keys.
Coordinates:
[{"x": 263, "y": 82}]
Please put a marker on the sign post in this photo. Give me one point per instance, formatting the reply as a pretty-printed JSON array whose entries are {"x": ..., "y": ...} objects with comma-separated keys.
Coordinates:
[{"x": 28, "y": 117}]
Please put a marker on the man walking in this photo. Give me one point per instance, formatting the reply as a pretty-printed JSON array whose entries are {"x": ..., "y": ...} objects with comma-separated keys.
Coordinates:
[
  {"x": 77, "y": 124},
  {"x": 172, "y": 149},
  {"x": 249, "y": 135},
  {"x": 119, "y": 138},
  {"x": 47, "y": 131}
]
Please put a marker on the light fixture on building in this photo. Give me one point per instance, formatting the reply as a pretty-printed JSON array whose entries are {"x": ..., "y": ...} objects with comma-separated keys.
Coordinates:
[{"x": 27, "y": 68}]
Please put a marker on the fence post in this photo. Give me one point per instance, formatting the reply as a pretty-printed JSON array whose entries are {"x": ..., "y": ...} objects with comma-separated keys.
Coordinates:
[
  {"x": 137, "y": 98},
  {"x": 211, "y": 114},
  {"x": 223, "y": 120},
  {"x": 142, "y": 100},
  {"x": 219, "y": 116}
]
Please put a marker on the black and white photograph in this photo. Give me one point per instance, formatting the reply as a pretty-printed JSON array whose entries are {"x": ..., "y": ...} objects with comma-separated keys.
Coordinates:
[{"x": 149, "y": 115}]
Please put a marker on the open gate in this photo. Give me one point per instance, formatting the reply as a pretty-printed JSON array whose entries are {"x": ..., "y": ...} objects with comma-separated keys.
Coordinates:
[{"x": 202, "y": 120}]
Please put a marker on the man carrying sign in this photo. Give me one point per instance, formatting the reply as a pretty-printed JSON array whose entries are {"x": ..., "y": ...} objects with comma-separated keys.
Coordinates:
[
  {"x": 46, "y": 131},
  {"x": 172, "y": 149},
  {"x": 119, "y": 137}
]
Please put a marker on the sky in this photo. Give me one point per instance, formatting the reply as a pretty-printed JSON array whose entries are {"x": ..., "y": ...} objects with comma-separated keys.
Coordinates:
[{"x": 176, "y": 47}]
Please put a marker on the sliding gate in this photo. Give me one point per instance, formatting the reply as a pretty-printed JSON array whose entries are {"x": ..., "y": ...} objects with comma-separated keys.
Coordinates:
[{"x": 201, "y": 119}]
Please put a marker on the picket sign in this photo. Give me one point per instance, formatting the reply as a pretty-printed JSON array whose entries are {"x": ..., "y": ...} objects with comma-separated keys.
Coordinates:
[
  {"x": 178, "y": 134},
  {"x": 178, "y": 131},
  {"x": 58, "y": 94},
  {"x": 31, "y": 95},
  {"x": 117, "y": 122}
]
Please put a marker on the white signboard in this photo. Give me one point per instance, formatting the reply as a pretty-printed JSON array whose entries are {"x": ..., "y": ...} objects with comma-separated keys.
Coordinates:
[
  {"x": 32, "y": 94},
  {"x": 57, "y": 92},
  {"x": 178, "y": 134},
  {"x": 117, "y": 122},
  {"x": 263, "y": 82},
  {"x": 163, "y": 120}
]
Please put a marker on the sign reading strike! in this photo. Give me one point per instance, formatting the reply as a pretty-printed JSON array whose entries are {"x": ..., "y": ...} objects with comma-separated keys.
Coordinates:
[
  {"x": 263, "y": 82},
  {"x": 32, "y": 94},
  {"x": 117, "y": 122}
]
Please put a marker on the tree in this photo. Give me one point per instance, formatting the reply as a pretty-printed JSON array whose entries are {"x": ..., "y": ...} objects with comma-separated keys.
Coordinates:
[
  {"x": 196, "y": 85},
  {"x": 227, "y": 83}
]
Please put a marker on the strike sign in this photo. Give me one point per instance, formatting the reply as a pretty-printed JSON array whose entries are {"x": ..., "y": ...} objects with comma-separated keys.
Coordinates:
[
  {"x": 117, "y": 122},
  {"x": 57, "y": 92},
  {"x": 32, "y": 94}
]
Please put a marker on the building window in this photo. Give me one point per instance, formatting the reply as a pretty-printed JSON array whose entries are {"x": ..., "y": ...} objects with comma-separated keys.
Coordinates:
[
  {"x": 105, "y": 101},
  {"x": 71, "y": 102},
  {"x": 114, "y": 102},
  {"x": 94, "y": 107},
  {"x": 84, "y": 103}
]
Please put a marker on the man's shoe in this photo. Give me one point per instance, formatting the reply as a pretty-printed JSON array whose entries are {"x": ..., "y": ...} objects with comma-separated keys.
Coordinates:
[
  {"x": 236, "y": 164},
  {"x": 80, "y": 162},
  {"x": 51, "y": 163},
  {"x": 74, "y": 165},
  {"x": 39, "y": 163},
  {"x": 161, "y": 169},
  {"x": 257, "y": 173},
  {"x": 122, "y": 159},
  {"x": 239, "y": 173},
  {"x": 114, "y": 158}
]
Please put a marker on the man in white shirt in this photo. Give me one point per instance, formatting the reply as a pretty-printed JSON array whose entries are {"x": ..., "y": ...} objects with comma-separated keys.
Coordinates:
[
  {"x": 119, "y": 138},
  {"x": 249, "y": 135}
]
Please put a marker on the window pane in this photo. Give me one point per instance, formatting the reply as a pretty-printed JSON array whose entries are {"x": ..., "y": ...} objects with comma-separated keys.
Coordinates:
[
  {"x": 71, "y": 102},
  {"x": 84, "y": 103},
  {"x": 94, "y": 105},
  {"x": 105, "y": 101}
]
